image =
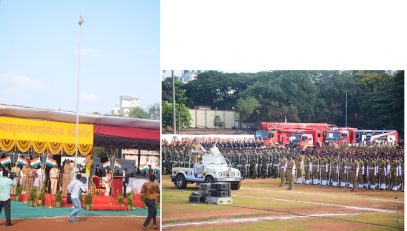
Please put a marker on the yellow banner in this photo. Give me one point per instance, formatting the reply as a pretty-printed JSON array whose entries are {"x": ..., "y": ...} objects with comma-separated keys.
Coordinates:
[{"x": 44, "y": 131}]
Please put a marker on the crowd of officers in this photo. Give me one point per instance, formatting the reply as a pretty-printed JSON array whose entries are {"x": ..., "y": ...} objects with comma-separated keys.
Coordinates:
[
  {"x": 54, "y": 179},
  {"x": 355, "y": 167}
]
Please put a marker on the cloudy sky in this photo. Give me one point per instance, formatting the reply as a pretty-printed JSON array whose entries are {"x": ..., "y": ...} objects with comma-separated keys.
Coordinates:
[{"x": 39, "y": 53}]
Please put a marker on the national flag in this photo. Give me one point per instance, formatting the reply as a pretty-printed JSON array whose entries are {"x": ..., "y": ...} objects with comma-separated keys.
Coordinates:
[
  {"x": 106, "y": 164},
  {"x": 156, "y": 167},
  {"x": 35, "y": 162},
  {"x": 5, "y": 161},
  {"x": 143, "y": 167},
  {"x": 117, "y": 165},
  {"x": 22, "y": 161},
  {"x": 51, "y": 162},
  {"x": 81, "y": 21}
]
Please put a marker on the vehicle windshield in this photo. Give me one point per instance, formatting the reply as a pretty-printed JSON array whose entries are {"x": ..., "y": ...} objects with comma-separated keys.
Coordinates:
[
  {"x": 295, "y": 138},
  {"x": 214, "y": 160},
  {"x": 333, "y": 136}
]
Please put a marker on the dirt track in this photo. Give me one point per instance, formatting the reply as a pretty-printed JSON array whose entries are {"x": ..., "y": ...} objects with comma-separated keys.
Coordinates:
[{"x": 84, "y": 224}]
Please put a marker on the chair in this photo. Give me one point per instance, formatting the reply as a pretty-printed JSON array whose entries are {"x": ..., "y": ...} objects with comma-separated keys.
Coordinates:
[{"x": 98, "y": 189}]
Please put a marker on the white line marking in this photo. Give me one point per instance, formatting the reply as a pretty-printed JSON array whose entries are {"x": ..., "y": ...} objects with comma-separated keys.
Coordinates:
[
  {"x": 245, "y": 220},
  {"x": 320, "y": 194},
  {"x": 326, "y": 204},
  {"x": 305, "y": 202}
]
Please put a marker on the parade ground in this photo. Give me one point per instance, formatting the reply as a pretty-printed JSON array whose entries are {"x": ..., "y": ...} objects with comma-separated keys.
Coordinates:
[
  {"x": 261, "y": 205},
  {"x": 44, "y": 219}
]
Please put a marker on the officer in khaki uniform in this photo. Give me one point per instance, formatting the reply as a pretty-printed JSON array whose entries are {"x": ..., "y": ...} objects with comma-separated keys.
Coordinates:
[
  {"x": 54, "y": 176},
  {"x": 25, "y": 171},
  {"x": 371, "y": 171},
  {"x": 354, "y": 172},
  {"x": 334, "y": 171},
  {"x": 315, "y": 170},
  {"x": 16, "y": 171},
  {"x": 66, "y": 177},
  {"x": 382, "y": 174},
  {"x": 290, "y": 172},
  {"x": 361, "y": 173},
  {"x": 298, "y": 164},
  {"x": 283, "y": 168},
  {"x": 307, "y": 169}
]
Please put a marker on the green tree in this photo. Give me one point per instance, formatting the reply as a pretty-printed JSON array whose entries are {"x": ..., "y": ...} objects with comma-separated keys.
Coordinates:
[
  {"x": 247, "y": 106},
  {"x": 180, "y": 110},
  {"x": 139, "y": 112},
  {"x": 217, "y": 122},
  {"x": 154, "y": 111}
]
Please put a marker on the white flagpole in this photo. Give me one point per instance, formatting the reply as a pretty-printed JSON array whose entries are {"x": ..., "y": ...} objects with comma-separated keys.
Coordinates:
[{"x": 77, "y": 90}]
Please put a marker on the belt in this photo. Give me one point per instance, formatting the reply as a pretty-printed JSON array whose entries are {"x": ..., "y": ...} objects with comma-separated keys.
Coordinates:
[{"x": 54, "y": 177}]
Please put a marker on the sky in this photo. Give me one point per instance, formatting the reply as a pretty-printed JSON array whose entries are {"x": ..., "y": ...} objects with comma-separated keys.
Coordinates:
[{"x": 119, "y": 53}]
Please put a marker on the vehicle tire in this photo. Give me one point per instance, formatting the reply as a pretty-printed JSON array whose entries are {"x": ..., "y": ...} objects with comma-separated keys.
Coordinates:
[
  {"x": 180, "y": 181},
  {"x": 209, "y": 179},
  {"x": 235, "y": 185}
]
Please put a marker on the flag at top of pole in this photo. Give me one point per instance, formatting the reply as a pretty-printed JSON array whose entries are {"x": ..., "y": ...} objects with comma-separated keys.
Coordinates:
[{"x": 81, "y": 21}]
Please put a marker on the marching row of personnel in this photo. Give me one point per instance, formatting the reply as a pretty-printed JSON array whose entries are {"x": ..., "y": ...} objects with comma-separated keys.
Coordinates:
[{"x": 354, "y": 167}]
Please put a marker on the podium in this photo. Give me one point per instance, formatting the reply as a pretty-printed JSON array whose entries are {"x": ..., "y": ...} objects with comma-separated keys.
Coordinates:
[{"x": 117, "y": 186}]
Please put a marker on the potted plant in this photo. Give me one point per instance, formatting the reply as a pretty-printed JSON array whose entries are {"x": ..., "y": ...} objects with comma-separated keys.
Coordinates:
[
  {"x": 130, "y": 200},
  {"x": 88, "y": 201},
  {"x": 58, "y": 199},
  {"x": 32, "y": 197},
  {"x": 19, "y": 190},
  {"x": 120, "y": 199}
]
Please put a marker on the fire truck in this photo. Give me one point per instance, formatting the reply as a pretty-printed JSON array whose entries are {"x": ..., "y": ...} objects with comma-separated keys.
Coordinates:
[
  {"x": 341, "y": 136},
  {"x": 308, "y": 138},
  {"x": 281, "y": 133}
]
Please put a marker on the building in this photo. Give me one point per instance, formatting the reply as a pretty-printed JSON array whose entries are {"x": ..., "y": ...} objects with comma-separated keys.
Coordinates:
[
  {"x": 126, "y": 104},
  {"x": 205, "y": 117}
]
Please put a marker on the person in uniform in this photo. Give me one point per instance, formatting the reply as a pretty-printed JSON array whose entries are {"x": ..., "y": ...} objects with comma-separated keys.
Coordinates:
[
  {"x": 361, "y": 173},
  {"x": 298, "y": 164},
  {"x": 307, "y": 169},
  {"x": 107, "y": 180},
  {"x": 16, "y": 170},
  {"x": 335, "y": 171},
  {"x": 354, "y": 172},
  {"x": 323, "y": 170},
  {"x": 290, "y": 172},
  {"x": 342, "y": 172},
  {"x": 30, "y": 179},
  {"x": 66, "y": 177},
  {"x": 24, "y": 178},
  {"x": 382, "y": 174},
  {"x": 283, "y": 168},
  {"x": 315, "y": 170},
  {"x": 371, "y": 172},
  {"x": 54, "y": 176}
]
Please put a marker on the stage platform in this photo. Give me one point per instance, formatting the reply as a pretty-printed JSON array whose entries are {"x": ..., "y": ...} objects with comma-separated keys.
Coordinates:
[{"x": 98, "y": 202}]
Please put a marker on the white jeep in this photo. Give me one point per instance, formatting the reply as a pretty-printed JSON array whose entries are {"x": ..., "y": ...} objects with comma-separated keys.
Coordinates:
[{"x": 212, "y": 168}]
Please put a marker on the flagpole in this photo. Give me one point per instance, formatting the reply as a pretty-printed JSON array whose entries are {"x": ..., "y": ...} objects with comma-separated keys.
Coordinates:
[{"x": 77, "y": 90}]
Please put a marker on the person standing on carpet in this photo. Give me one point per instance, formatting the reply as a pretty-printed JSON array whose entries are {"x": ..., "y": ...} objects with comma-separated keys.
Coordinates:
[
  {"x": 150, "y": 190},
  {"x": 75, "y": 188}
]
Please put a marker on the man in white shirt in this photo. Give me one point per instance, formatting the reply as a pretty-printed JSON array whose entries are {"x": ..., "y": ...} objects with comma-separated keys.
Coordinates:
[{"x": 75, "y": 188}]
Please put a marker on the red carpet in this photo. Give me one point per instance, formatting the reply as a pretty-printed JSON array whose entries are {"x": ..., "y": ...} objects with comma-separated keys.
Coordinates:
[{"x": 98, "y": 202}]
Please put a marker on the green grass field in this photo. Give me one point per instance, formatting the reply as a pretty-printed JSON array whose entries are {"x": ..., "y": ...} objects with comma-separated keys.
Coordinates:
[{"x": 261, "y": 205}]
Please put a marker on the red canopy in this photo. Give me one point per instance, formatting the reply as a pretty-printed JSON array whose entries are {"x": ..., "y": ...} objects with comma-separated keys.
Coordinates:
[{"x": 127, "y": 132}]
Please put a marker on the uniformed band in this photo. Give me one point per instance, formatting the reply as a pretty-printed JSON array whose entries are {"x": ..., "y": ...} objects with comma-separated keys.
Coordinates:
[{"x": 371, "y": 167}]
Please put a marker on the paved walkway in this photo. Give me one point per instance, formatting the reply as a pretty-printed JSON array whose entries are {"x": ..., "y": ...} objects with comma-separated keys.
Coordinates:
[{"x": 21, "y": 210}]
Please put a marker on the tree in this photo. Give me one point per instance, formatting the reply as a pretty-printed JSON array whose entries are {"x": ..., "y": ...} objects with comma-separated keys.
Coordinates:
[
  {"x": 217, "y": 122},
  {"x": 180, "y": 110},
  {"x": 154, "y": 111},
  {"x": 139, "y": 112},
  {"x": 247, "y": 106}
]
